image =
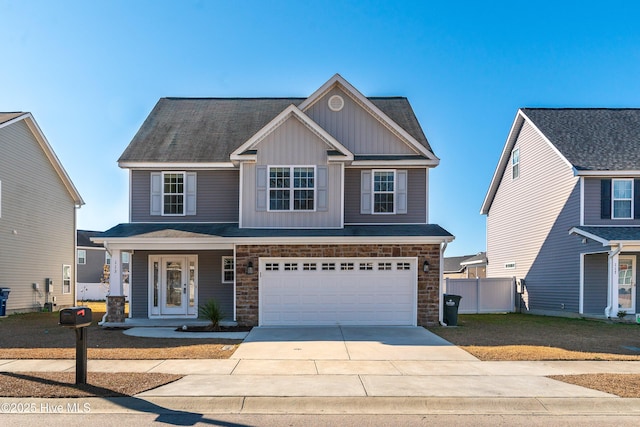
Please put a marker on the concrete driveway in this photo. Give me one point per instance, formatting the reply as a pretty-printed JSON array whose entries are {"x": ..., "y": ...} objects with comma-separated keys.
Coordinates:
[{"x": 347, "y": 343}]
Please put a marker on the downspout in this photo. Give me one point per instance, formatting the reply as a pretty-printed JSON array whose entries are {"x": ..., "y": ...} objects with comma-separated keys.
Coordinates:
[
  {"x": 612, "y": 254},
  {"x": 443, "y": 247}
]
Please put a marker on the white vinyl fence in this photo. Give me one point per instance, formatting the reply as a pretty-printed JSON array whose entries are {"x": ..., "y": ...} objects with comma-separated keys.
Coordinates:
[{"x": 487, "y": 295}]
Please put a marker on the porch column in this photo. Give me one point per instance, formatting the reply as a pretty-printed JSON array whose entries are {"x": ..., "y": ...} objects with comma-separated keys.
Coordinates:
[
  {"x": 115, "y": 299},
  {"x": 613, "y": 284},
  {"x": 115, "y": 273}
]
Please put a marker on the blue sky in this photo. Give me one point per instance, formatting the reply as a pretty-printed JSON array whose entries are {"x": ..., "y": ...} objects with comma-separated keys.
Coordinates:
[{"x": 91, "y": 71}]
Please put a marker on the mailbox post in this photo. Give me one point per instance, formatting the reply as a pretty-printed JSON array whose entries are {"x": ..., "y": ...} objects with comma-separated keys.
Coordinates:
[{"x": 78, "y": 318}]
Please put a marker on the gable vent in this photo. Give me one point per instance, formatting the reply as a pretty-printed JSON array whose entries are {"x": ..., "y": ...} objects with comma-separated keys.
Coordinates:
[{"x": 336, "y": 103}]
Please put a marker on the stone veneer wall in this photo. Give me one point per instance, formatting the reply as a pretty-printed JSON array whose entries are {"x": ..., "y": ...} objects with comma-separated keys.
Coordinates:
[{"x": 247, "y": 285}]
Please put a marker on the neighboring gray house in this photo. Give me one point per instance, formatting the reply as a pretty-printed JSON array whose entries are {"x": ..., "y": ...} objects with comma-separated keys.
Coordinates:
[
  {"x": 38, "y": 204},
  {"x": 91, "y": 261},
  {"x": 287, "y": 211},
  {"x": 563, "y": 210}
]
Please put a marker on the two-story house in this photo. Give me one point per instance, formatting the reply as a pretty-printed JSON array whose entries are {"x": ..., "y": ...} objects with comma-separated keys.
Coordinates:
[
  {"x": 287, "y": 211},
  {"x": 38, "y": 204},
  {"x": 563, "y": 210}
]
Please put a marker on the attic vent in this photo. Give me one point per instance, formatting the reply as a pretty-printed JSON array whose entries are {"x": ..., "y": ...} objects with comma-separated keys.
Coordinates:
[{"x": 336, "y": 103}]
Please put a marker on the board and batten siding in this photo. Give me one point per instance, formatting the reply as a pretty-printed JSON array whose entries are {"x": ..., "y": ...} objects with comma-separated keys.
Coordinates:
[
  {"x": 355, "y": 128},
  {"x": 592, "y": 200},
  {"x": 37, "y": 223},
  {"x": 528, "y": 224},
  {"x": 292, "y": 144},
  {"x": 417, "y": 200},
  {"x": 210, "y": 285},
  {"x": 216, "y": 197}
]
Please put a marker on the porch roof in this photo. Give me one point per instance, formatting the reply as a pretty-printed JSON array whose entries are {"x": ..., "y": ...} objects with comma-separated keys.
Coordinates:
[
  {"x": 609, "y": 236},
  {"x": 232, "y": 231}
]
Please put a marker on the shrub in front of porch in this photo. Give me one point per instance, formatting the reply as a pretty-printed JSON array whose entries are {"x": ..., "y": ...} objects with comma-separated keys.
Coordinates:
[{"x": 212, "y": 312}]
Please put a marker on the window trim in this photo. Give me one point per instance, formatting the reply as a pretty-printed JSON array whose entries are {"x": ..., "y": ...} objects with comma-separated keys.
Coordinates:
[
  {"x": 515, "y": 163},
  {"x": 614, "y": 199},
  {"x": 66, "y": 268},
  {"x": 374, "y": 192},
  {"x": 84, "y": 258},
  {"x": 184, "y": 193},
  {"x": 291, "y": 187},
  {"x": 225, "y": 270}
]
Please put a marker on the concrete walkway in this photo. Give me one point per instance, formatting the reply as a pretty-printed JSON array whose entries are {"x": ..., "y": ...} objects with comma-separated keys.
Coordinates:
[{"x": 357, "y": 371}]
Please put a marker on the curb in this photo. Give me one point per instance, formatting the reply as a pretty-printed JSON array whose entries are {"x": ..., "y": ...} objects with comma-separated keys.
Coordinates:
[{"x": 324, "y": 405}]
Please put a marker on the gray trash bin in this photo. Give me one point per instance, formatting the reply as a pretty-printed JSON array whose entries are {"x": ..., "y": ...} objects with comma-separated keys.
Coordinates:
[
  {"x": 451, "y": 304},
  {"x": 4, "y": 296}
]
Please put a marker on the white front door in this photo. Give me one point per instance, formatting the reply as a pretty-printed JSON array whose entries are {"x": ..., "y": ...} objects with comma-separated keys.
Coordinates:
[
  {"x": 627, "y": 283},
  {"x": 172, "y": 285}
]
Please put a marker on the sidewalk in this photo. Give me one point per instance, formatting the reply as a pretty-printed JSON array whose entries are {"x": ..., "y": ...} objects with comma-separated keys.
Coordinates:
[
  {"x": 352, "y": 370},
  {"x": 361, "y": 387}
]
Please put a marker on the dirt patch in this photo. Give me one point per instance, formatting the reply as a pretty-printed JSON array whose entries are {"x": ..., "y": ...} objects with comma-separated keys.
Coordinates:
[
  {"x": 39, "y": 336},
  {"x": 622, "y": 385},
  {"x": 511, "y": 337},
  {"x": 62, "y": 384}
]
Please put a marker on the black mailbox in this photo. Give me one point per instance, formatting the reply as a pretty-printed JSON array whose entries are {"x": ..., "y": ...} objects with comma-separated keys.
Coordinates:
[{"x": 75, "y": 317}]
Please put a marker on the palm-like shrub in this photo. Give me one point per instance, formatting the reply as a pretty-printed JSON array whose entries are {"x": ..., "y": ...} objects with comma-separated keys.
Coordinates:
[{"x": 212, "y": 312}]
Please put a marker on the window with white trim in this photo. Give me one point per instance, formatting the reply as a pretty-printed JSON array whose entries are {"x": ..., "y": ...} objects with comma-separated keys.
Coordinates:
[
  {"x": 228, "y": 269},
  {"x": 515, "y": 163},
  {"x": 107, "y": 258},
  {"x": 622, "y": 199},
  {"x": 292, "y": 188},
  {"x": 82, "y": 256},
  {"x": 66, "y": 279},
  {"x": 384, "y": 191},
  {"x": 173, "y": 193}
]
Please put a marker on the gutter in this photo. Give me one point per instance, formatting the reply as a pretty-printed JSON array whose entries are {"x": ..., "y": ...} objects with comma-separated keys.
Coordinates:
[
  {"x": 443, "y": 247},
  {"x": 611, "y": 255}
]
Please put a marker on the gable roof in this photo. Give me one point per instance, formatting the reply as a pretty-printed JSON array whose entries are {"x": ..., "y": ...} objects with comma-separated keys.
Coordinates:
[
  {"x": 209, "y": 130},
  {"x": 289, "y": 112},
  {"x": 592, "y": 141},
  {"x": 7, "y": 119}
]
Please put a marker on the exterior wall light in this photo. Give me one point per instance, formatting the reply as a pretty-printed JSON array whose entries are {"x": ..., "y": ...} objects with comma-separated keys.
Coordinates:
[
  {"x": 425, "y": 266},
  {"x": 250, "y": 267}
]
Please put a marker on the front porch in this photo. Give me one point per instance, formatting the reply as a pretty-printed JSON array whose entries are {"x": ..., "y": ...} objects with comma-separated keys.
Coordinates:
[{"x": 162, "y": 323}]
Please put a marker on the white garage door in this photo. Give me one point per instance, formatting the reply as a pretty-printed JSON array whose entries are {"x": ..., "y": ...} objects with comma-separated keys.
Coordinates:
[{"x": 344, "y": 291}]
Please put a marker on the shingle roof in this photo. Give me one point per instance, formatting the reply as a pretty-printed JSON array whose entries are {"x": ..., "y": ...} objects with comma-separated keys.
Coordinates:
[
  {"x": 616, "y": 234},
  {"x": 231, "y": 230},
  {"x": 84, "y": 238},
  {"x": 592, "y": 139},
  {"x": 452, "y": 263},
  {"x": 210, "y": 129}
]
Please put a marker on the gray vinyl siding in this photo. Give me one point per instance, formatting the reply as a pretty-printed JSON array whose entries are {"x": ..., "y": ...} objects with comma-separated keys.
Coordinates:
[
  {"x": 416, "y": 200},
  {"x": 528, "y": 224},
  {"x": 37, "y": 223},
  {"x": 292, "y": 144},
  {"x": 216, "y": 198},
  {"x": 355, "y": 127},
  {"x": 91, "y": 271},
  {"x": 209, "y": 280},
  {"x": 592, "y": 199},
  {"x": 595, "y": 283}
]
